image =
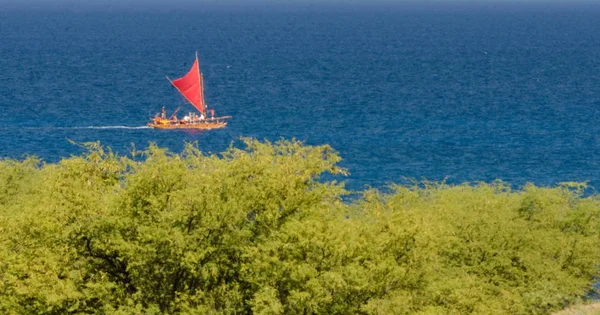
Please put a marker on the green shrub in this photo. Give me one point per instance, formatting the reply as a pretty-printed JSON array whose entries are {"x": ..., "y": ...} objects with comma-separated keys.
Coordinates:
[{"x": 254, "y": 231}]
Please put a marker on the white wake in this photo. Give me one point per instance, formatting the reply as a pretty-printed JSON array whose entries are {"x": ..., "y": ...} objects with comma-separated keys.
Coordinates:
[
  {"x": 73, "y": 127},
  {"x": 110, "y": 127}
]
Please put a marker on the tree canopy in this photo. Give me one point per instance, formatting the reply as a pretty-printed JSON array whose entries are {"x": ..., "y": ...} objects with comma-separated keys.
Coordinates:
[{"x": 258, "y": 230}]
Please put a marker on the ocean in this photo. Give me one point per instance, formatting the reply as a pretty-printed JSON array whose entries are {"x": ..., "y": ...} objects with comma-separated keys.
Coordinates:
[{"x": 463, "y": 95}]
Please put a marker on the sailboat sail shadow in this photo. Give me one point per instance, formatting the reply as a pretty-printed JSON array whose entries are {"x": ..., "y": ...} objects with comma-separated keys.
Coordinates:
[{"x": 191, "y": 87}]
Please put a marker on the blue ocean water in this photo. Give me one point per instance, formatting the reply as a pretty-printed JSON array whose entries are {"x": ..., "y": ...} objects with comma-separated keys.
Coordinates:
[{"x": 464, "y": 95}]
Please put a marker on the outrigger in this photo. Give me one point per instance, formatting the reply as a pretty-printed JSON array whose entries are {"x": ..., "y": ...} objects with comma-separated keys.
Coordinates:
[{"x": 191, "y": 87}]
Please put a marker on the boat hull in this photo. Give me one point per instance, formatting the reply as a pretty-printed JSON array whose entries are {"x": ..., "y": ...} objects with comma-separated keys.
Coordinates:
[{"x": 202, "y": 126}]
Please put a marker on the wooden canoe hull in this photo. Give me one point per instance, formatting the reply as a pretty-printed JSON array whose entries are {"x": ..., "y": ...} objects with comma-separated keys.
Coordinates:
[
  {"x": 206, "y": 124},
  {"x": 203, "y": 125}
]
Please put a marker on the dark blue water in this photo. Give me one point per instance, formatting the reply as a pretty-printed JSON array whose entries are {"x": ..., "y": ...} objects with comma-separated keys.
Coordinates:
[{"x": 467, "y": 95}]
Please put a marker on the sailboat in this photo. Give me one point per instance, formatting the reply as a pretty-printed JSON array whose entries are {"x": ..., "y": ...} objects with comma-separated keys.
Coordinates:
[{"x": 191, "y": 87}]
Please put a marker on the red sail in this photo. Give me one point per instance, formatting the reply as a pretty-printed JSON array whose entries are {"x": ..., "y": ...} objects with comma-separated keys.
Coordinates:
[{"x": 190, "y": 86}]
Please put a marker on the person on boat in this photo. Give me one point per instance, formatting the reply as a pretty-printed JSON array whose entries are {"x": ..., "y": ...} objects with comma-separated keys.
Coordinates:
[
  {"x": 201, "y": 117},
  {"x": 163, "y": 113}
]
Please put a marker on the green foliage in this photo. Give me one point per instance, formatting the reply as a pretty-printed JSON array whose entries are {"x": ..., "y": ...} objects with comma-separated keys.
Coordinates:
[{"x": 254, "y": 231}]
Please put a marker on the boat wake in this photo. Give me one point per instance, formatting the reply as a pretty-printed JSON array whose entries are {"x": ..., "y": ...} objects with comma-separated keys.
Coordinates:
[
  {"x": 109, "y": 127},
  {"x": 77, "y": 127}
]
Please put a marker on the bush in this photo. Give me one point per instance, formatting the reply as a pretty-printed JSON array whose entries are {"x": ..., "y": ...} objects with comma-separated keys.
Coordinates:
[{"x": 255, "y": 231}]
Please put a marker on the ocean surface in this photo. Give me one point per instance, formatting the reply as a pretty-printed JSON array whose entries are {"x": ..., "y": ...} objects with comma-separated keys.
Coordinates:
[{"x": 466, "y": 94}]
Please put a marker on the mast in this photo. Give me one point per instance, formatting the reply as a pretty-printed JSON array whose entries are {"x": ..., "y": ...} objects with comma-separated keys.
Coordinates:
[
  {"x": 202, "y": 89},
  {"x": 201, "y": 85}
]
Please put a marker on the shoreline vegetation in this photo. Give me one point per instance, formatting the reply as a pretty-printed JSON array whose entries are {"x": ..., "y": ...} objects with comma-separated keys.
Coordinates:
[
  {"x": 254, "y": 230},
  {"x": 584, "y": 309}
]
